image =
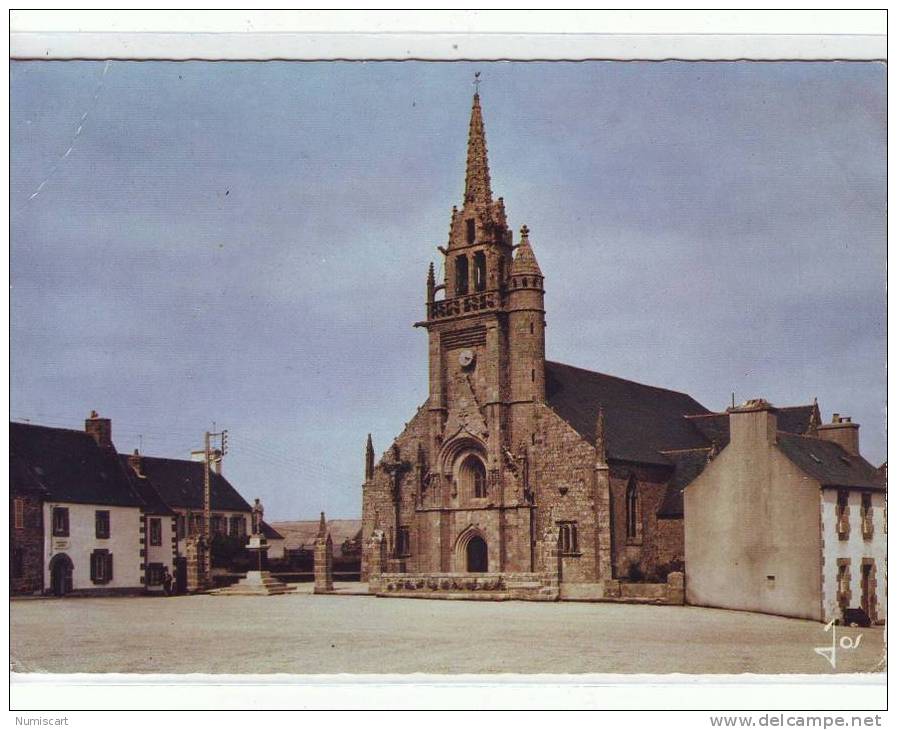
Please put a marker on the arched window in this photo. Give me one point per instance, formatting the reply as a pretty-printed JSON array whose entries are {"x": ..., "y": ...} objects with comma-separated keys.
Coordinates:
[
  {"x": 461, "y": 275},
  {"x": 632, "y": 511},
  {"x": 473, "y": 477},
  {"x": 479, "y": 271}
]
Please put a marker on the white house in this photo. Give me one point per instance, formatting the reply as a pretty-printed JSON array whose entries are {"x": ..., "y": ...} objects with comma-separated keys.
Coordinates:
[
  {"x": 788, "y": 524},
  {"x": 92, "y": 515}
]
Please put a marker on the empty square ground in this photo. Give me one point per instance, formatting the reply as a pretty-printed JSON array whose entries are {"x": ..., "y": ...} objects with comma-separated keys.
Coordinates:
[{"x": 301, "y": 633}]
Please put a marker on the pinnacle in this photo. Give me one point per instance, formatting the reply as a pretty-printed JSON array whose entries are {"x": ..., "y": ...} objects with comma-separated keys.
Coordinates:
[
  {"x": 525, "y": 260},
  {"x": 477, "y": 187}
]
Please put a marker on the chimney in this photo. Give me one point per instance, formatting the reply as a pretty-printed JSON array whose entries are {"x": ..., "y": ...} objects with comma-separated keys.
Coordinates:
[
  {"x": 754, "y": 421},
  {"x": 100, "y": 429},
  {"x": 842, "y": 430},
  {"x": 135, "y": 461}
]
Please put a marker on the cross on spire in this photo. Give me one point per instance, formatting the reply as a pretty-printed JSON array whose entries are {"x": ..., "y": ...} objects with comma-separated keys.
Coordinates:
[{"x": 476, "y": 82}]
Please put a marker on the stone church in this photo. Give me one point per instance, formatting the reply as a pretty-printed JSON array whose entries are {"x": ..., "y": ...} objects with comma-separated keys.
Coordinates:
[{"x": 518, "y": 476}]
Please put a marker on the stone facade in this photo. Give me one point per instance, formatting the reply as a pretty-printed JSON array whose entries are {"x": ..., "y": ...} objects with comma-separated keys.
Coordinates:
[
  {"x": 26, "y": 542},
  {"x": 486, "y": 471}
]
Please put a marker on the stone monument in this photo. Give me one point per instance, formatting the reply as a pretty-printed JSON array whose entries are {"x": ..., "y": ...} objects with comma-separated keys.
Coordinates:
[
  {"x": 257, "y": 581},
  {"x": 323, "y": 559}
]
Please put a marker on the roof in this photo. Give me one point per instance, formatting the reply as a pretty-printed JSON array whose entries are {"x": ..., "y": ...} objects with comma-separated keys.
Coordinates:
[
  {"x": 791, "y": 419},
  {"x": 179, "y": 483},
  {"x": 688, "y": 465},
  {"x": 21, "y": 478},
  {"x": 829, "y": 463},
  {"x": 144, "y": 487},
  {"x": 70, "y": 466},
  {"x": 714, "y": 427},
  {"x": 640, "y": 420},
  {"x": 270, "y": 533},
  {"x": 302, "y": 533}
]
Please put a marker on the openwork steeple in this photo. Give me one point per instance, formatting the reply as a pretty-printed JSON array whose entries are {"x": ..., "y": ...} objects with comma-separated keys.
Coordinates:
[{"x": 477, "y": 187}]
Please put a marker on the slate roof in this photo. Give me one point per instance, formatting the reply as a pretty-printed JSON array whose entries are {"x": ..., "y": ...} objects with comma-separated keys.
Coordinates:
[
  {"x": 640, "y": 420},
  {"x": 270, "y": 533},
  {"x": 71, "y": 466},
  {"x": 791, "y": 419},
  {"x": 154, "y": 503},
  {"x": 179, "y": 483},
  {"x": 828, "y": 462},
  {"x": 688, "y": 465},
  {"x": 21, "y": 478}
]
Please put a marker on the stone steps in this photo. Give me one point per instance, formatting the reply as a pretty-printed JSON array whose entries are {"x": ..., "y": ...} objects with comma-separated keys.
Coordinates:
[{"x": 255, "y": 583}]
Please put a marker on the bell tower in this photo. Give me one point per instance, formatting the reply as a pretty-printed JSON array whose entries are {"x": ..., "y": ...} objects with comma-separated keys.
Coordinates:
[{"x": 485, "y": 323}]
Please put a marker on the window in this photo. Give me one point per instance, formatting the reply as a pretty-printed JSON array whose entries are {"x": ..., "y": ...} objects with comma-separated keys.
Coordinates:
[
  {"x": 60, "y": 522},
  {"x": 155, "y": 530},
  {"x": 568, "y": 540},
  {"x": 461, "y": 275},
  {"x": 101, "y": 566},
  {"x": 471, "y": 231},
  {"x": 842, "y": 512},
  {"x": 479, "y": 271},
  {"x": 473, "y": 477},
  {"x": 632, "y": 511},
  {"x": 403, "y": 542},
  {"x": 866, "y": 516},
  {"x": 19, "y": 513},
  {"x": 181, "y": 526},
  {"x": 237, "y": 526},
  {"x": 154, "y": 572},
  {"x": 101, "y": 523},
  {"x": 219, "y": 524},
  {"x": 843, "y": 582}
]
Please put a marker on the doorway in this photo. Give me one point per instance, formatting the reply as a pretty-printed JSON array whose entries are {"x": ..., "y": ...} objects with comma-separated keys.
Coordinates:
[
  {"x": 477, "y": 555},
  {"x": 61, "y": 574}
]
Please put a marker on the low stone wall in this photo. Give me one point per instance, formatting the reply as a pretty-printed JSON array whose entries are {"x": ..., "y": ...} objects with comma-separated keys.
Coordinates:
[
  {"x": 460, "y": 586},
  {"x": 672, "y": 592}
]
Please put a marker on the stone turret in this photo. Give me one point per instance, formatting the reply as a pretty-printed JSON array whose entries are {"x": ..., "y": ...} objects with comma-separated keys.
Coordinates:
[{"x": 526, "y": 325}]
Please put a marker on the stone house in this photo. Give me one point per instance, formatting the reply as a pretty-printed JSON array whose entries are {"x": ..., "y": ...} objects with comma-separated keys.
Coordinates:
[
  {"x": 90, "y": 513},
  {"x": 519, "y": 476},
  {"x": 88, "y": 520},
  {"x": 789, "y": 524}
]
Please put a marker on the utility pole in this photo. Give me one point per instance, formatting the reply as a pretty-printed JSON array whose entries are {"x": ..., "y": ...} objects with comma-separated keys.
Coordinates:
[{"x": 207, "y": 498}]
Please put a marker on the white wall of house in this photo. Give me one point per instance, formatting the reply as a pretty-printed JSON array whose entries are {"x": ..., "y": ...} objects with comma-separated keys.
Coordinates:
[
  {"x": 275, "y": 549},
  {"x": 123, "y": 543},
  {"x": 855, "y": 548},
  {"x": 752, "y": 535},
  {"x": 163, "y": 553}
]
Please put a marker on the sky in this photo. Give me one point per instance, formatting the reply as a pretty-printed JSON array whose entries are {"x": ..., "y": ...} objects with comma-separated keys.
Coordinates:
[{"x": 244, "y": 245}]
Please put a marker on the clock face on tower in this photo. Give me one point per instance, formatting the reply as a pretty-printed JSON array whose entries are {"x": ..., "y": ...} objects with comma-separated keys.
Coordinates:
[{"x": 466, "y": 358}]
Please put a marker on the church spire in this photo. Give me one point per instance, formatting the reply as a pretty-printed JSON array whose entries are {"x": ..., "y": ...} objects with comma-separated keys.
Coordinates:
[{"x": 477, "y": 187}]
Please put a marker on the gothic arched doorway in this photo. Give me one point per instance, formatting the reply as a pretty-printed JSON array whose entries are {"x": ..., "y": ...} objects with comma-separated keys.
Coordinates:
[
  {"x": 477, "y": 555},
  {"x": 61, "y": 568}
]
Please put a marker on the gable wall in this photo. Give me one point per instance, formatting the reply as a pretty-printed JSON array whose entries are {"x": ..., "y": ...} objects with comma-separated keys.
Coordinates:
[{"x": 751, "y": 514}]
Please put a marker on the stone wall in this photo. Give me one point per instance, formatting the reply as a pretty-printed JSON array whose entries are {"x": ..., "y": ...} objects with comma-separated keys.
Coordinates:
[
  {"x": 655, "y": 542},
  {"x": 26, "y": 545},
  {"x": 472, "y": 586},
  {"x": 563, "y": 474}
]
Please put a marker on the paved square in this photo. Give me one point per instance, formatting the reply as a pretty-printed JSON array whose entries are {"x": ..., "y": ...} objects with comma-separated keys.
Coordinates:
[{"x": 302, "y": 633}]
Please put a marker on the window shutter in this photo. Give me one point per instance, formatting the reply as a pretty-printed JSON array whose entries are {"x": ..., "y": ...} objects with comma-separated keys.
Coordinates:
[
  {"x": 93, "y": 567},
  {"x": 65, "y": 521},
  {"x": 108, "y": 567}
]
